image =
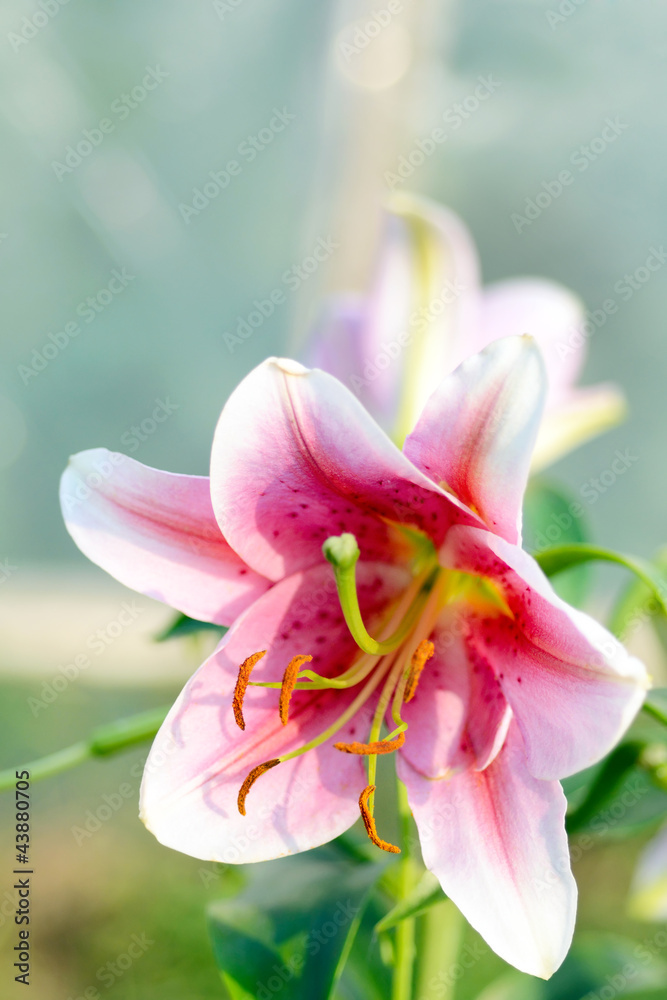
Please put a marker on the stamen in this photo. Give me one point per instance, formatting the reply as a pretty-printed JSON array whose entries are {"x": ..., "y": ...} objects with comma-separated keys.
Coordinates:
[
  {"x": 358, "y": 672},
  {"x": 375, "y": 678},
  {"x": 381, "y": 746},
  {"x": 429, "y": 618},
  {"x": 289, "y": 681},
  {"x": 420, "y": 657},
  {"x": 369, "y": 823},
  {"x": 342, "y": 552},
  {"x": 242, "y": 685},
  {"x": 380, "y": 712},
  {"x": 251, "y": 779}
]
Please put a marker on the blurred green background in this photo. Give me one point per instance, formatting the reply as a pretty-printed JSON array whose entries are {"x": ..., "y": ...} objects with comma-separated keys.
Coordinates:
[{"x": 219, "y": 71}]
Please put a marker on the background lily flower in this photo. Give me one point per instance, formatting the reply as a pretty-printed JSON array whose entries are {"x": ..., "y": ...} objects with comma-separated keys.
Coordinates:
[
  {"x": 426, "y": 311},
  {"x": 493, "y": 688}
]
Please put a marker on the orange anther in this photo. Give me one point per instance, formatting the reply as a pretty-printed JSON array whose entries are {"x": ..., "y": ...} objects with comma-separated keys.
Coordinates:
[
  {"x": 289, "y": 680},
  {"x": 251, "y": 779},
  {"x": 421, "y": 655},
  {"x": 369, "y": 823},
  {"x": 382, "y": 746},
  {"x": 242, "y": 685}
]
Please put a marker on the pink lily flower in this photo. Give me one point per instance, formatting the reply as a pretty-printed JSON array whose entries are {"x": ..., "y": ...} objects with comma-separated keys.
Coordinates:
[
  {"x": 426, "y": 312},
  {"x": 427, "y": 617}
]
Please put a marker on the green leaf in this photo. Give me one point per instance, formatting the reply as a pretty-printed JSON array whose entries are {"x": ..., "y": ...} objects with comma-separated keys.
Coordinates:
[
  {"x": 551, "y": 514},
  {"x": 608, "y": 781},
  {"x": 182, "y": 625},
  {"x": 368, "y": 971},
  {"x": 425, "y": 894},
  {"x": 639, "y": 806},
  {"x": 602, "y": 964},
  {"x": 244, "y": 958},
  {"x": 598, "y": 965},
  {"x": 513, "y": 986},
  {"x": 656, "y": 994},
  {"x": 292, "y": 927},
  {"x": 655, "y": 704}
]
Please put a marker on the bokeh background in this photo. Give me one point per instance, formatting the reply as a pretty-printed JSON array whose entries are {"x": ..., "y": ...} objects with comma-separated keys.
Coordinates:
[{"x": 219, "y": 70}]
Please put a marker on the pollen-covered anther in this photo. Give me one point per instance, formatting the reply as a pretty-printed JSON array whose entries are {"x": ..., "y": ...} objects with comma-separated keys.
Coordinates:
[
  {"x": 369, "y": 823},
  {"x": 420, "y": 658},
  {"x": 242, "y": 686},
  {"x": 381, "y": 746},
  {"x": 289, "y": 680},
  {"x": 251, "y": 779}
]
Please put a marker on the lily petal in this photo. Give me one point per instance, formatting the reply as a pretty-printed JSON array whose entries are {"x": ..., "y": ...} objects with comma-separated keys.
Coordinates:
[
  {"x": 296, "y": 458},
  {"x": 575, "y": 419},
  {"x": 337, "y": 343},
  {"x": 156, "y": 533},
  {"x": 550, "y": 313},
  {"x": 496, "y": 841},
  {"x": 441, "y": 268},
  {"x": 200, "y": 757},
  {"x": 459, "y": 716},
  {"x": 416, "y": 322},
  {"x": 425, "y": 314},
  {"x": 555, "y": 317},
  {"x": 572, "y": 686},
  {"x": 477, "y": 431}
]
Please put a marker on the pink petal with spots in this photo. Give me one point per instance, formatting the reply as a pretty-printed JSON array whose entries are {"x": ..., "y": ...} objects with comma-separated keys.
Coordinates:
[
  {"x": 156, "y": 533},
  {"x": 477, "y": 431},
  {"x": 296, "y": 458},
  {"x": 200, "y": 757},
  {"x": 573, "y": 688},
  {"x": 496, "y": 841}
]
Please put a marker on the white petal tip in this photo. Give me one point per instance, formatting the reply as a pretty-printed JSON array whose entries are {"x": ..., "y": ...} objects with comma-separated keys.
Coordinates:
[{"x": 288, "y": 366}]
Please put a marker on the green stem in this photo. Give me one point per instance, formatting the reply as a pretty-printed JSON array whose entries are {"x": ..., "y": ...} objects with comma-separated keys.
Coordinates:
[
  {"x": 405, "y": 932},
  {"x": 440, "y": 940},
  {"x": 102, "y": 742},
  {"x": 562, "y": 557},
  {"x": 56, "y": 762},
  {"x": 656, "y": 712}
]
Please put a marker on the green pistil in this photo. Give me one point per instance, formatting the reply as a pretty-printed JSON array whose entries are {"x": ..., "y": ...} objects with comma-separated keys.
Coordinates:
[{"x": 342, "y": 552}]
